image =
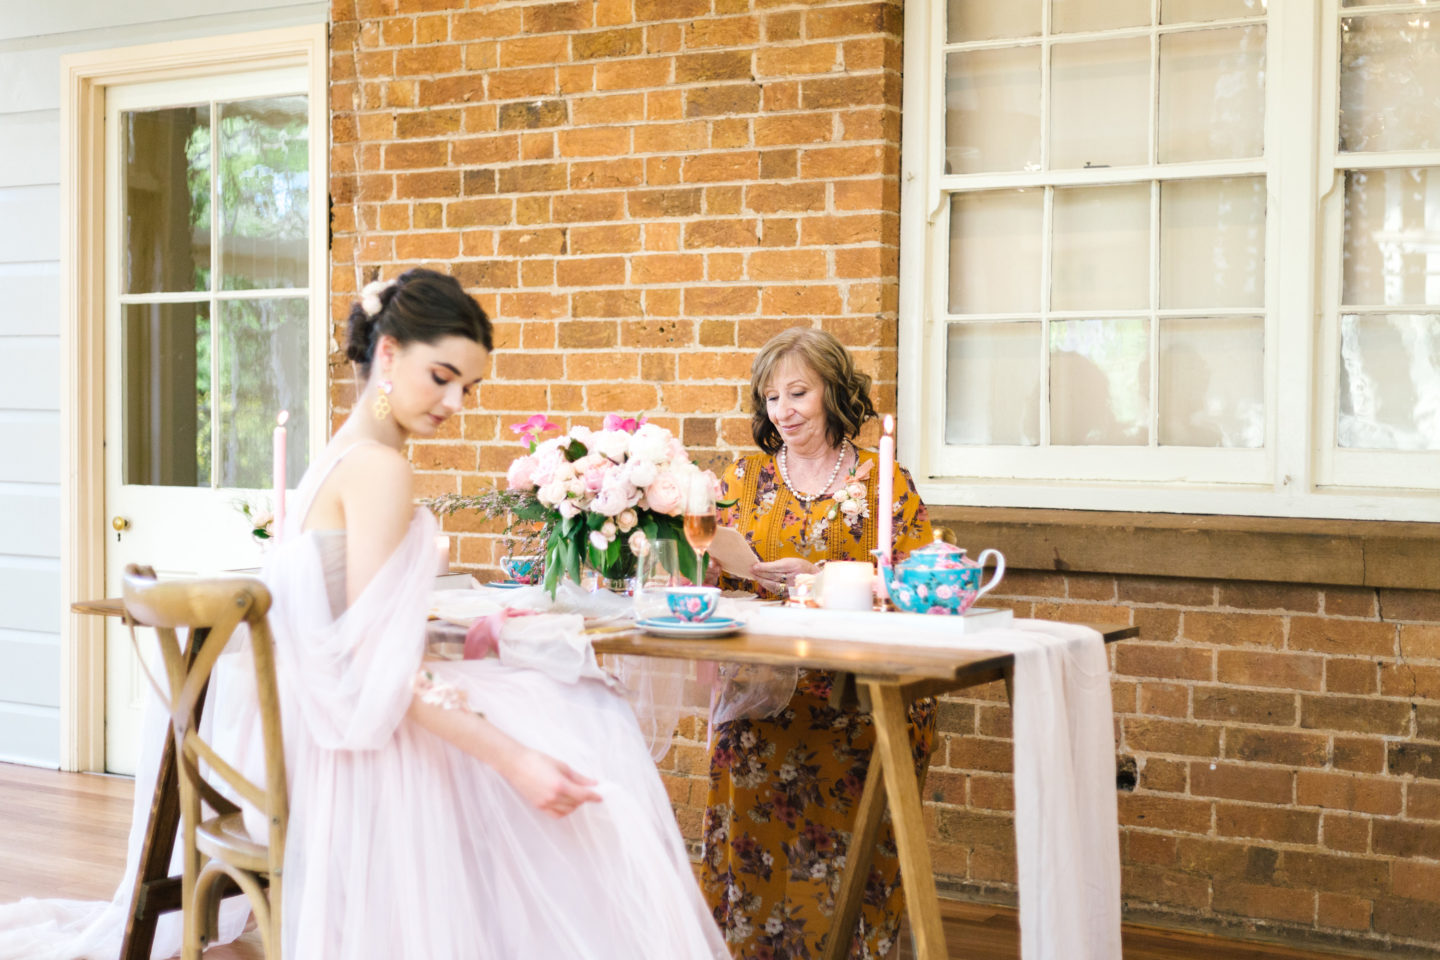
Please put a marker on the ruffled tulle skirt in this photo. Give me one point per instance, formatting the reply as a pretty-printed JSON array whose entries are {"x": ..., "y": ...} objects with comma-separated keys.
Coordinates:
[{"x": 417, "y": 851}]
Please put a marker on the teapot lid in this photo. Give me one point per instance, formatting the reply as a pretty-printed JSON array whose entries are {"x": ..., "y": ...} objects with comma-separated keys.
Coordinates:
[{"x": 935, "y": 554}]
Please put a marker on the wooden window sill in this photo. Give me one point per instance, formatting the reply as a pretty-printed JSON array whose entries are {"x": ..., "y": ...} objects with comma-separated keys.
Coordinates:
[{"x": 1357, "y": 553}]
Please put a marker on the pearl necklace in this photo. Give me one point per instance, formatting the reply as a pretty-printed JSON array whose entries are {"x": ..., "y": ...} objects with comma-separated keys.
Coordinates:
[{"x": 811, "y": 498}]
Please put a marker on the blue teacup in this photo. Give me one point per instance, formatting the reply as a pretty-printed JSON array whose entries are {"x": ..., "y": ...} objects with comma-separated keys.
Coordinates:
[
  {"x": 692, "y": 604},
  {"x": 525, "y": 568}
]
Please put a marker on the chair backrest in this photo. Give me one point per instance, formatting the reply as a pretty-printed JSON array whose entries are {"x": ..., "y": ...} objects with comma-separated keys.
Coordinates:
[{"x": 212, "y": 609}]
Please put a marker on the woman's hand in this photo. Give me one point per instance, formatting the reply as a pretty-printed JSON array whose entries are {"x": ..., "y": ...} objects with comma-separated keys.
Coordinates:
[
  {"x": 774, "y": 575},
  {"x": 547, "y": 784}
]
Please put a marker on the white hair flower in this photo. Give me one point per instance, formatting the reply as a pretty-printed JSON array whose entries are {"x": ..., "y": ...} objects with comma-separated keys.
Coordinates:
[{"x": 370, "y": 296}]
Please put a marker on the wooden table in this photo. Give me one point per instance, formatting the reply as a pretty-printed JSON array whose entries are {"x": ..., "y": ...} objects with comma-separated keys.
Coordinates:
[{"x": 887, "y": 678}]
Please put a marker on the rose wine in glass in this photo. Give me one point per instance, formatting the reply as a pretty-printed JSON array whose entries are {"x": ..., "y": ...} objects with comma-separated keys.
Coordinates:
[{"x": 700, "y": 518}]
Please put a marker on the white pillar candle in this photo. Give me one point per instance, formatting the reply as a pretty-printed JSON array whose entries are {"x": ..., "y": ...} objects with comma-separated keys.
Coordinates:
[
  {"x": 847, "y": 585},
  {"x": 442, "y": 555},
  {"x": 885, "y": 501},
  {"x": 278, "y": 476}
]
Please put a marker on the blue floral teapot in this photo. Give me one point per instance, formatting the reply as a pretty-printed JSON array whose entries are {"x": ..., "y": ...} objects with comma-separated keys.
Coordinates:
[{"x": 939, "y": 579}]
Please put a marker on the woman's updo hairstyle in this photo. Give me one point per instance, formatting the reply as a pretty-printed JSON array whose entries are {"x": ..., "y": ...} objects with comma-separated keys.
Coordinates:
[
  {"x": 847, "y": 390},
  {"x": 419, "y": 306}
]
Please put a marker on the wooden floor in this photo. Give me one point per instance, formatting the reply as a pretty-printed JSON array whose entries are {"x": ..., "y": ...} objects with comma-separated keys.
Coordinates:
[{"x": 65, "y": 836}]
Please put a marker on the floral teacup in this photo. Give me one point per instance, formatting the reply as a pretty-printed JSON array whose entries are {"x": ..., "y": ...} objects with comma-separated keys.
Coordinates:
[
  {"x": 525, "y": 568},
  {"x": 692, "y": 604}
]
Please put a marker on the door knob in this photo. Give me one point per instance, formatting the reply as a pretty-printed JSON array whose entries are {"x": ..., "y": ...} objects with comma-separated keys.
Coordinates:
[{"x": 120, "y": 524}]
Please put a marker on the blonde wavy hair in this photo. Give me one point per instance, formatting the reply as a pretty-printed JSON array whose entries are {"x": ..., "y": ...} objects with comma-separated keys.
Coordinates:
[{"x": 846, "y": 395}]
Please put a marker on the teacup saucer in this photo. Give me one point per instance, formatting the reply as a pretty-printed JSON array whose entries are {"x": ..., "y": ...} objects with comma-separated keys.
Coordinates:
[
  {"x": 675, "y": 627},
  {"x": 504, "y": 584}
]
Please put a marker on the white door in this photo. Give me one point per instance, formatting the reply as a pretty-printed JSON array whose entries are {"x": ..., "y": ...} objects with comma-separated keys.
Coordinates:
[{"x": 209, "y": 331}]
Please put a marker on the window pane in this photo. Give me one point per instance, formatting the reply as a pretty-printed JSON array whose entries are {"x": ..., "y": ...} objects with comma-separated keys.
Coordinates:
[
  {"x": 1100, "y": 382},
  {"x": 995, "y": 251},
  {"x": 1212, "y": 382},
  {"x": 1389, "y": 75},
  {"x": 167, "y": 199},
  {"x": 1073, "y": 16},
  {"x": 992, "y": 377},
  {"x": 1389, "y": 382},
  {"x": 992, "y": 19},
  {"x": 1391, "y": 222},
  {"x": 1099, "y": 103},
  {"x": 262, "y": 369},
  {"x": 165, "y": 358},
  {"x": 1212, "y": 94},
  {"x": 1212, "y": 243},
  {"x": 264, "y": 194},
  {"x": 1101, "y": 258},
  {"x": 1197, "y": 11},
  {"x": 992, "y": 110}
]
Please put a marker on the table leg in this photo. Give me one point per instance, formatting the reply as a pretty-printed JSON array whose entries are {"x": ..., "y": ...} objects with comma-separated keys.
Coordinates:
[
  {"x": 892, "y": 751},
  {"x": 858, "y": 857}
]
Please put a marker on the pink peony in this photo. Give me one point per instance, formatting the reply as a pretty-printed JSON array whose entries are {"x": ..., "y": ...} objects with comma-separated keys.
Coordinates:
[
  {"x": 639, "y": 543},
  {"x": 665, "y": 494},
  {"x": 519, "y": 476}
]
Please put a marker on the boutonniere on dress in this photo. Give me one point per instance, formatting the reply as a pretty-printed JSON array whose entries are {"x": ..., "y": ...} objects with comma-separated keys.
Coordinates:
[{"x": 850, "y": 499}]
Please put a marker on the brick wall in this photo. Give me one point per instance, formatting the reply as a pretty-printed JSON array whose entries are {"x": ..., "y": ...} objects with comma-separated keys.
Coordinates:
[{"x": 641, "y": 192}]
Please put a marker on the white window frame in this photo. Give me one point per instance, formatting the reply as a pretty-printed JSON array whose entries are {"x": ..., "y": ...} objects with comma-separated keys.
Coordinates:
[
  {"x": 85, "y": 79},
  {"x": 1298, "y": 473}
]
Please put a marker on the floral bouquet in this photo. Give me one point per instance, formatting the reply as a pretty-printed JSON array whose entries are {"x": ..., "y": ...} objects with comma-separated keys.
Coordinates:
[
  {"x": 597, "y": 496},
  {"x": 261, "y": 520}
]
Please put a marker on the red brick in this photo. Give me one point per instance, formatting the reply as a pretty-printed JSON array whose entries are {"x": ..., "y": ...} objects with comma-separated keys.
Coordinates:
[
  {"x": 1233, "y": 629},
  {"x": 1422, "y": 801},
  {"x": 1348, "y": 675},
  {"x": 1415, "y": 881},
  {"x": 1345, "y": 637},
  {"x": 1410, "y": 605},
  {"x": 1348, "y": 792},
  {"x": 1414, "y": 919},
  {"x": 1173, "y": 888},
  {"x": 1166, "y": 662},
  {"x": 1358, "y": 754},
  {"x": 1270, "y": 903},
  {"x": 1287, "y": 670},
  {"x": 1420, "y": 641},
  {"x": 1356, "y": 714},
  {"x": 1348, "y": 834},
  {"x": 1165, "y": 813},
  {"x": 1149, "y": 848},
  {"x": 1155, "y": 735},
  {"x": 790, "y": 61},
  {"x": 1270, "y": 596},
  {"x": 1166, "y": 776},
  {"x": 1271, "y": 824},
  {"x": 1401, "y": 839},
  {"x": 1350, "y": 601},
  {"x": 1244, "y": 706},
  {"x": 1164, "y": 699},
  {"x": 1242, "y": 782},
  {"x": 1275, "y": 746}
]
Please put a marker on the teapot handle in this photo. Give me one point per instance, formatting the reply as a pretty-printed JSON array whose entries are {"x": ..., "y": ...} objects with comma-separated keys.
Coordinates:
[{"x": 995, "y": 577}]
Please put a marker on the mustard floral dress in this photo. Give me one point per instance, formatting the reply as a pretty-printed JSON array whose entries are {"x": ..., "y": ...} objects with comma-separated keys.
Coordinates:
[{"x": 784, "y": 790}]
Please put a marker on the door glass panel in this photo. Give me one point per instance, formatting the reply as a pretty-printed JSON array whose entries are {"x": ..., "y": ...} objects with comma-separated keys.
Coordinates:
[
  {"x": 992, "y": 376},
  {"x": 264, "y": 193},
  {"x": 1212, "y": 382},
  {"x": 1389, "y": 72},
  {"x": 991, "y": 19},
  {"x": 165, "y": 170},
  {"x": 995, "y": 251},
  {"x": 1073, "y": 16},
  {"x": 1212, "y": 94},
  {"x": 1389, "y": 382},
  {"x": 166, "y": 394},
  {"x": 261, "y": 368},
  {"x": 1392, "y": 221},
  {"x": 1101, "y": 257},
  {"x": 1212, "y": 243},
  {"x": 1099, "y": 103},
  {"x": 1199, "y": 11},
  {"x": 1100, "y": 381},
  {"x": 992, "y": 110}
]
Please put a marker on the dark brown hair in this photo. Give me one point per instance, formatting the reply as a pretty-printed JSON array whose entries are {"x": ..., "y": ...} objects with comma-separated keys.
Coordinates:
[
  {"x": 421, "y": 306},
  {"x": 846, "y": 393}
]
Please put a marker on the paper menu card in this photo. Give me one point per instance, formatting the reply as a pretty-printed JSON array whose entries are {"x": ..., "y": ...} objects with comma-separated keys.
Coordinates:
[{"x": 732, "y": 551}]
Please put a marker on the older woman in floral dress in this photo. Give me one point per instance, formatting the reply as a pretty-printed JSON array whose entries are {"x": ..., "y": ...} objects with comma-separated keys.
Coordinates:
[{"x": 784, "y": 788}]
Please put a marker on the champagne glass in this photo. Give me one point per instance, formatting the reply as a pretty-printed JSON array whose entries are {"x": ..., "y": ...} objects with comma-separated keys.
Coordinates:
[{"x": 700, "y": 518}]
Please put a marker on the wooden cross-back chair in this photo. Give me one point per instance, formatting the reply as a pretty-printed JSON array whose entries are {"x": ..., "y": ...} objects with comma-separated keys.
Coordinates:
[{"x": 219, "y": 847}]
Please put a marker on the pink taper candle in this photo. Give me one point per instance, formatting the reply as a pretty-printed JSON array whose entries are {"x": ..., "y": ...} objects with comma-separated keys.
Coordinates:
[
  {"x": 280, "y": 473},
  {"x": 885, "y": 499}
]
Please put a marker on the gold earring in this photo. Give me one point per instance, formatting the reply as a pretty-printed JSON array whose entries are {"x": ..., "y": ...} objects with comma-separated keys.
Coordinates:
[{"x": 382, "y": 400}]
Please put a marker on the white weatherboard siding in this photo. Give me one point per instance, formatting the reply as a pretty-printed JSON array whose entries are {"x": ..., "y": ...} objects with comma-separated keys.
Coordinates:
[{"x": 33, "y": 37}]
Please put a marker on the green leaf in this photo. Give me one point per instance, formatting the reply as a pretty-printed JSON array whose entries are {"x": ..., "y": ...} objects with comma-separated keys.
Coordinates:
[
  {"x": 572, "y": 559},
  {"x": 595, "y": 520},
  {"x": 575, "y": 451},
  {"x": 568, "y": 525}
]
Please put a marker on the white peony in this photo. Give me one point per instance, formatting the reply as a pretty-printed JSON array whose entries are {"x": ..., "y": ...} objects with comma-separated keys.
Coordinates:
[
  {"x": 851, "y": 507},
  {"x": 640, "y": 472},
  {"x": 609, "y": 529},
  {"x": 568, "y": 509},
  {"x": 598, "y": 540},
  {"x": 552, "y": 493},
  {"x": 612, "y": 444},
  {"x": 639, "y": 543},
  {"x": 856, "y": 491},
  {"x": 650, "y": 443},
  {"x": 627, "y": 518}
]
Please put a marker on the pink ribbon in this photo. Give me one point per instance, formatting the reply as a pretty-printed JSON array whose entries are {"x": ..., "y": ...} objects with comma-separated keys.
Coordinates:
[{"x": 483, "y": 638}]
